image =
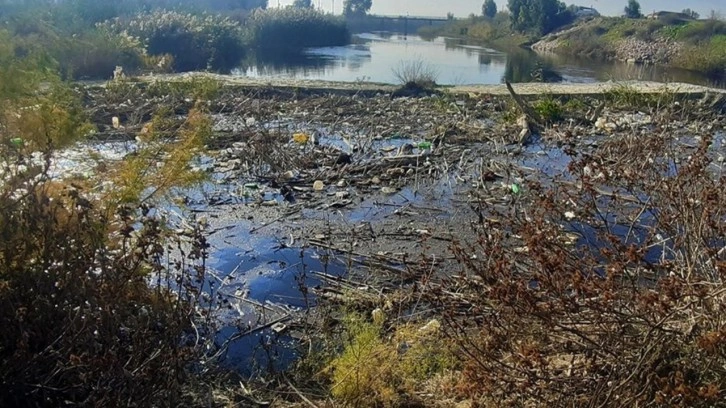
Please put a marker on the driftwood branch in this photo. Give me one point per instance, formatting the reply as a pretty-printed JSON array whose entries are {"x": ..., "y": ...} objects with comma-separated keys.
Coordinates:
[
  {"x": 596, "y": 114},
  {"x": 532, "y": 116}
]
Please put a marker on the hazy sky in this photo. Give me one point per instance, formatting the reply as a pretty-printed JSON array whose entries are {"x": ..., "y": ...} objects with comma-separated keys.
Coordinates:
[{"x": 462, "y": 8}]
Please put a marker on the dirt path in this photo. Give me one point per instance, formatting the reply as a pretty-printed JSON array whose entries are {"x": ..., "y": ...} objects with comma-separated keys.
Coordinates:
[{"x": 492, "y": 89}]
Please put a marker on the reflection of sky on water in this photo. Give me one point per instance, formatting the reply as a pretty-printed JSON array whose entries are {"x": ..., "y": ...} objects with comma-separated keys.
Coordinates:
[{"x": 373, "y": 57}]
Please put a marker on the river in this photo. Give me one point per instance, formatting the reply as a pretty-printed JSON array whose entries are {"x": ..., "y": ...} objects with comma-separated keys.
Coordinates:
[{"x": 373, "y": 57}]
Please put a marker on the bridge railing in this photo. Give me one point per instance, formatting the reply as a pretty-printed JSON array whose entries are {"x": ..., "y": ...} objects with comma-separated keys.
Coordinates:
[{"x": 390, "y": 17}]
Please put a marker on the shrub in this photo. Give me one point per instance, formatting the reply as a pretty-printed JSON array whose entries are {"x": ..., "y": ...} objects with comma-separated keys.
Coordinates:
[
  {"x": 292, "y": 29},
  {"x": 416, "y": 74},
  {"x": 196, "y": 42},
  {"x": 698, "y": 31},
  {"x": 600, "y": 288},
  {"x": 81, "y": 323},
  {"x": 96, "y": 53},
  {"x": 549, "y": 109},
  {"x": 92, "y": 53},
  {"x": 708, "y": 57},
  {"x": 374, "y": 370}
]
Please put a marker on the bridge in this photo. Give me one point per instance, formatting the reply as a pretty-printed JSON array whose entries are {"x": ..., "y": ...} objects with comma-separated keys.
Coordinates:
[
  {"x": 403, "y": 24},
  {"x": 427, "y": 19}
]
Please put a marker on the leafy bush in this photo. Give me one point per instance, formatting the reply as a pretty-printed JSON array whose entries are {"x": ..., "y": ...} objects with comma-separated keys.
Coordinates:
[
  {"x": 196, "y": 42},
  {"x": 292, "y": 29},
  {"x": 495, "y": 30},
  {"x": 96, "y": 53},
  {"x": 91, "y": 53},
  {"x": 699, "y": 31},
  {"x": 375, "y": 371},
  {"x": 549, "y": 109},
  {"x": 708, "y": 57}
]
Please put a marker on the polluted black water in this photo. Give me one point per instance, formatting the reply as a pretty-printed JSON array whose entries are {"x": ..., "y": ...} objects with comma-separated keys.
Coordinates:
[{"x": 262, "y": 283}]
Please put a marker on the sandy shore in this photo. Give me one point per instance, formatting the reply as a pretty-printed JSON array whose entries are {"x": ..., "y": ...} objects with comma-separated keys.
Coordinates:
[{"x": 493, "y": 89}]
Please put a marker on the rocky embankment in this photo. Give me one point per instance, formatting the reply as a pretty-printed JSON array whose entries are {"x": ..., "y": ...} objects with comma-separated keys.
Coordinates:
[{"x": 658, "y": 50}]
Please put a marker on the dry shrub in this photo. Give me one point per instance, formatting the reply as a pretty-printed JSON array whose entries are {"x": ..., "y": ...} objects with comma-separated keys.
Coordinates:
[
  {"x": 80, "y": 322},
  {"x": 416, "y": 74},
  {"x": 604, "y": 288}
]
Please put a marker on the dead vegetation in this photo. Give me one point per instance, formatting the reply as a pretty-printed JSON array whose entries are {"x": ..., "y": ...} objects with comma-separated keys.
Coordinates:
[{"x": 583, "y": 266}]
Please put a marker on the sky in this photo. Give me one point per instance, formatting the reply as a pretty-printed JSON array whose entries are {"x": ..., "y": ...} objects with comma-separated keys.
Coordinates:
[{"x": 462, "y": 8}]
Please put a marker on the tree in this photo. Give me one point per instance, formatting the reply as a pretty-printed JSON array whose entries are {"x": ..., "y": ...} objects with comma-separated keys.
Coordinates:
[
  {"x": 489, "y": 8},
  {"x": 302, "y": 4},
  {"x": 538, "y": 16},
  {"x": 691, "y": 13},
  {"x": 632, "y": 10},
  {"x": 247, "y": 4},
  {"x": 357, "y": 8}
]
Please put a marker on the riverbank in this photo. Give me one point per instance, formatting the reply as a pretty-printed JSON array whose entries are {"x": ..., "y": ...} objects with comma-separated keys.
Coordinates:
[
  {"x": 92, "y": 42},
  {"x": 693, "y": 45},
  {"x": 530, "y": 89}
]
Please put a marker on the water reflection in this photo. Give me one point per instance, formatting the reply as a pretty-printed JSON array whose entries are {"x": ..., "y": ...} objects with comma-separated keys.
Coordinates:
[
  {"x": 524, "y": 66},
  {"x": 373, "y": 56},
  {"x": 293, "y": 65}
]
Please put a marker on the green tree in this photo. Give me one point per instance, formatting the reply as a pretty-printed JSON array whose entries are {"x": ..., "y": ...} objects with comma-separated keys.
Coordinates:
[
  {"x": 357, "y": 7},
  {"x": 691, "y": 13},
  {"x": 302, "y": 4},
  {"x": 247, "y": 4},
  {"x": 632, "y": 10},
  {"x": 489, "y": 8},
  {"x": 538, "y": 16}
]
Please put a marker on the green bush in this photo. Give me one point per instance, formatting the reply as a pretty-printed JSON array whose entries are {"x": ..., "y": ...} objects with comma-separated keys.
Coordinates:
[
  {"x": 699, "y": 31},
  {"x": 93, "y": 52},
  {"x": 707, "y": 57},
  {"x": 374, "y": 370},
  {"x": 292, "y": 29},
  {"x": 96, "y": 53},
  {"x": 196, "y": 42},
  {"x": 549, "y": 108}
]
